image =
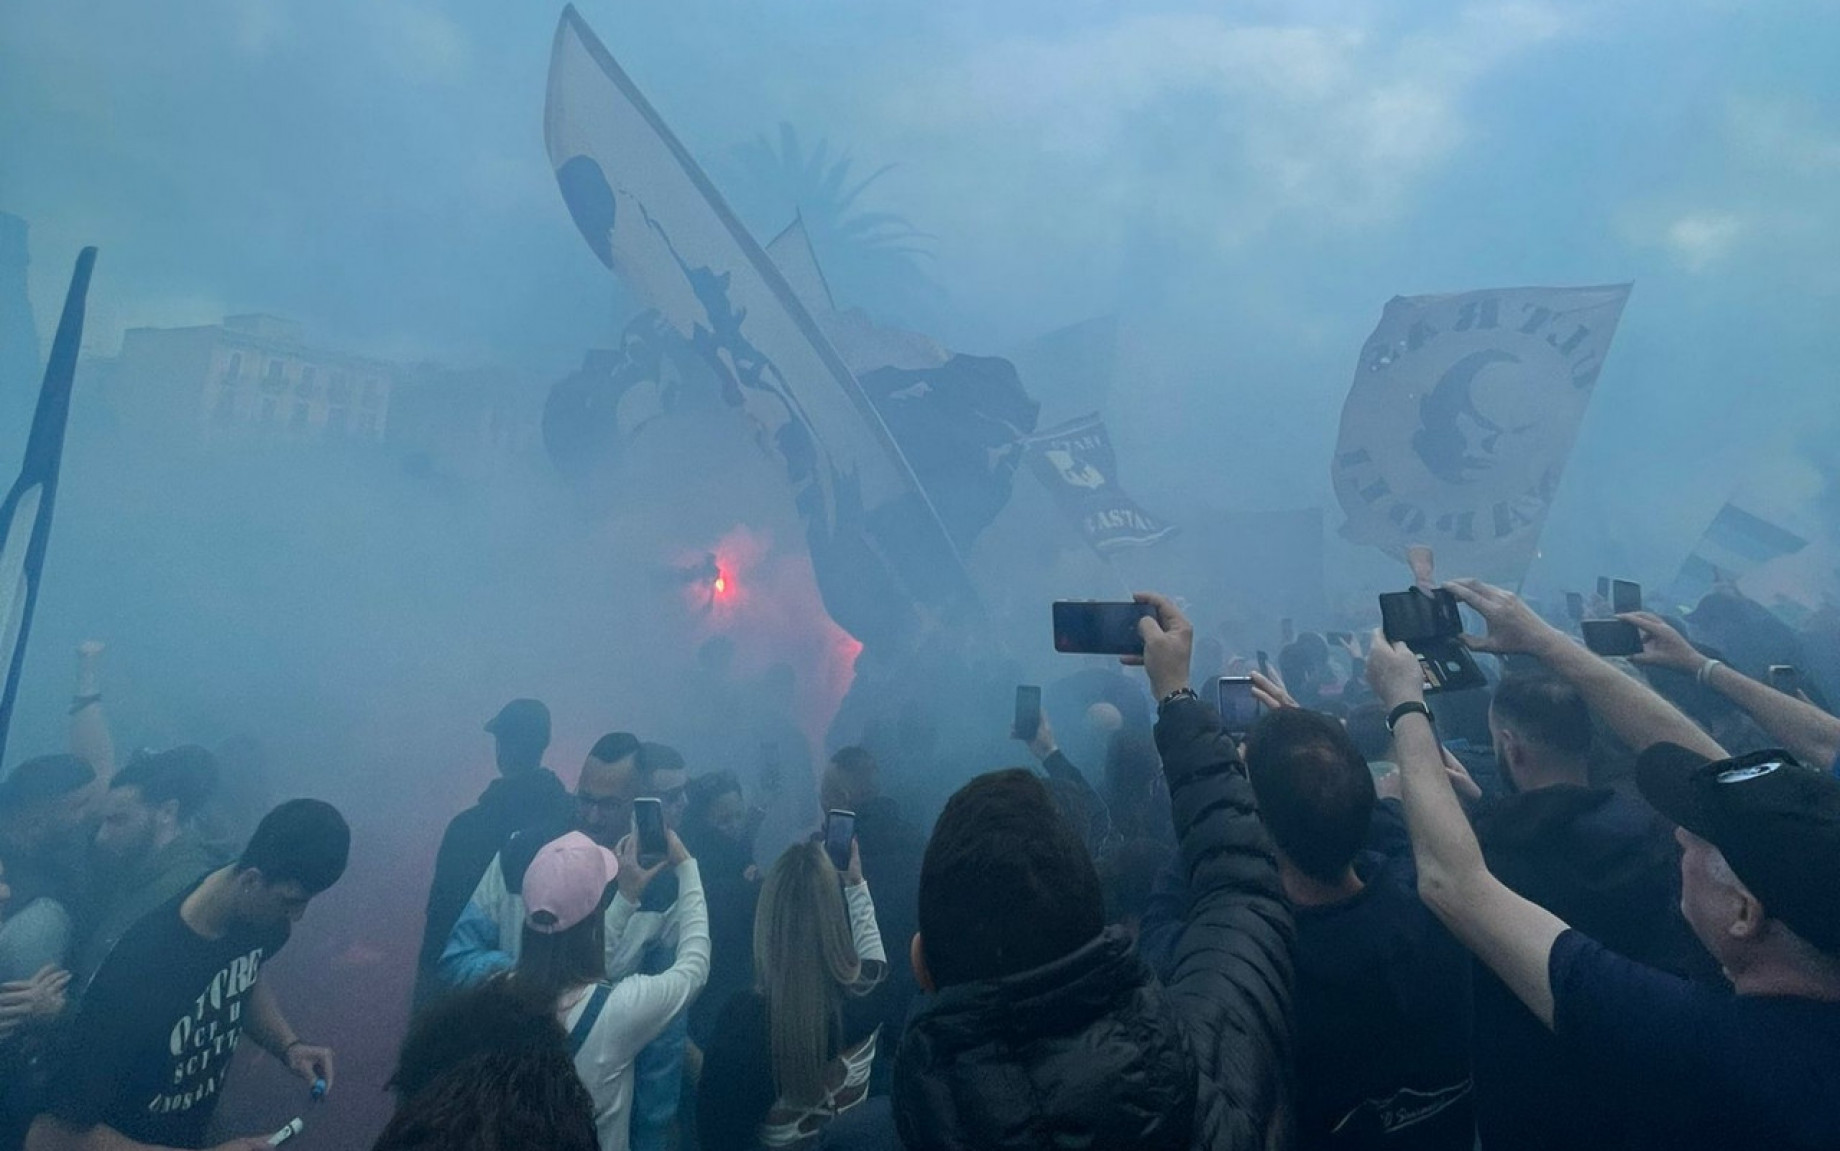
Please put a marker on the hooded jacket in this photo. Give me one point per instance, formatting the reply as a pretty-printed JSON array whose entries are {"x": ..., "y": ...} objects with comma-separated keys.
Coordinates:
[
  {"x": 510, "y": 804},
  {"x": 1606, "y": 863},
  {"x": 1089, "y": 1051}
]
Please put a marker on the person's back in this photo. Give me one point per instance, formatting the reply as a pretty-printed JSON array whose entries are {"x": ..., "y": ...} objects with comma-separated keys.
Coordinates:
[
  {"x": 1600, "y": 859},
  {"x": 526, "y": 795},
  {"x": 1383, "y": 991},
  {"x": 1045, "y": 1029}
]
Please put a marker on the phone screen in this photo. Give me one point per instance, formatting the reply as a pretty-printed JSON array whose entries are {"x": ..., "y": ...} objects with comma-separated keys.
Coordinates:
[
  {"x": 1574, "y": 606},
  {"x": 839, "y": 830},
  {"x": 1625, "y": 596},
  {"x": 1239, "y": 708},
  {"x": 1611, "y": 636},
  {"x": 1603, "y": 587},
  {"x": 648, "y": 826},
  {"x": 1028, "y": 711},
  {"x": 1100, "y": 628}
]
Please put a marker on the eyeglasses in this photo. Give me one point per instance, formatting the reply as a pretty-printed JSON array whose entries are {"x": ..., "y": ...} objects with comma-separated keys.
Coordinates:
[{"x": 609, "y": 804}]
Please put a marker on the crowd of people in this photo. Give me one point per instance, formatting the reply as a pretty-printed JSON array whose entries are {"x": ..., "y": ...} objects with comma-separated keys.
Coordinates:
[{"x": 1590, "y": 906}]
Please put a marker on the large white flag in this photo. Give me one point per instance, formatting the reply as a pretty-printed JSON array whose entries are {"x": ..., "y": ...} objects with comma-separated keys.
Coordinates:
[
  {"x": 1463, "y": 412},
  {"x": 651, "y": 214}
]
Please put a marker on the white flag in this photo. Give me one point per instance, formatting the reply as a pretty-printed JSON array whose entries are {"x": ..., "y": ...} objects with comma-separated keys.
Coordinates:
[
  {"x": 651, "y": 214},
  {"x": 1463, "y": 412}
]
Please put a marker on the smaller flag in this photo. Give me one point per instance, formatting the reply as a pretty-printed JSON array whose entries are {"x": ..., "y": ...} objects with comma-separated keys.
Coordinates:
[
  {"x": 1736, "y": 543},
  {"x": 1075, "y": 462},
  {"x": 25, "y": 517}
]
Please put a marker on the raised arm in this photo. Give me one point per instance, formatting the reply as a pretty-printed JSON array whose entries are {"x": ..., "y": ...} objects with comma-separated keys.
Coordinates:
[
  {"x": 1229, "y": 974},
  {"x": 864, "y": 932},
  {"x": 641, "y": 1006},
  {"x": 1514, "y": 936},
  {"x": 89, "y": 725},
  {"x": 1638, "y": 716},
  {"x": 1811, "y": 734}
]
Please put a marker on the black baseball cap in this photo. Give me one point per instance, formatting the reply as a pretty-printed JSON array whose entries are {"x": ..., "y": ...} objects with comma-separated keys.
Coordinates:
[
  {"x": 1776, "y": 822},
  {"x": 522, "y": 721}
]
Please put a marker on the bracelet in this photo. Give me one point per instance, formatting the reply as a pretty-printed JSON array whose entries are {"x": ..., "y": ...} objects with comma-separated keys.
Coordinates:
[
  {"x": 1704, "y": 675},
  {"x": 1178, "y": 693},
  {"x": 1409, "y": 707}
]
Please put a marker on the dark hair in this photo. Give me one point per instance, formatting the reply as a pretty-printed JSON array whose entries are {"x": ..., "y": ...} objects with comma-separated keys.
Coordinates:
[
  {"x": 1367, "y": 728},
  {"x": 480, "y": 1069},
  {"x": 859, "y": 769},
  {"x": 44, "y": 778},
  {"x": 657, "y": 757},
  {"x": 615, "y": 746},
  {"x": 185, "y": 775},
  {"x": 1315, "y": 793},
  {"x": 1005, "y": 886},
  {"x": 305, "y": 841},
  {"x": 1546, "y": 710},
  {"x": 1128, "y": 873},
  {"x": 705, "y": 789},
  {"x": 1304, "y": 661},
  {"x": 552, "y": 962}
]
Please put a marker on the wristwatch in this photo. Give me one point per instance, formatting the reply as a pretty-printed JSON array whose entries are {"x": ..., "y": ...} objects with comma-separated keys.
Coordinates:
[{"x": 1409, "y": 707}]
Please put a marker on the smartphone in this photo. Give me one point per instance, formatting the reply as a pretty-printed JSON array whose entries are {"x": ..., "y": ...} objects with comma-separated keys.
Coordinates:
[
  {"x": 1264, "y": 665},
  {"x": 1239, "y": 708},
  {"x": 1089, "y": 628},
  {"x": 839, "y": 831},
  {"x": 1028, "y": 711},
  {"x": 1574, "y": 606},
  {"x": 1786, "y": 678},
  {"x": 1625, "y": 596},
  {"x": 1431, "y": 624},
  {"x": 1611, "y": 636},
  {"x": 648, "y": 826},
  {"x": 1603, "y": 587}
]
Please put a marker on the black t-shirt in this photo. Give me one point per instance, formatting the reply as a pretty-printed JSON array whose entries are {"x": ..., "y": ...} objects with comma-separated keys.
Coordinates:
[
  {"x": 1695, "y": 1067},
  {"x": 152, "y": 1042},
  {"x": 1382, "y": 1021}
]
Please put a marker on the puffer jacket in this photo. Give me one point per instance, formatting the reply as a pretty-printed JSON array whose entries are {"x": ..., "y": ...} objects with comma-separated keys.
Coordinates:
[{"x": 1089, "y": 1051}]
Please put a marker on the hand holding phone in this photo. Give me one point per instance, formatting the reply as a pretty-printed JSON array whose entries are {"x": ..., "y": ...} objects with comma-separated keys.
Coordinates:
[
  {"x": 1028, "y": 713},
  {"x": 649, "y": 831},
  {"x": 839, "y": 835},
  {"x": 1239, "y": 706},
  {"x": 1431, "y": 625},
  {"x": 1611, "y": 637},
  {"x": 1625, "y": 596}
]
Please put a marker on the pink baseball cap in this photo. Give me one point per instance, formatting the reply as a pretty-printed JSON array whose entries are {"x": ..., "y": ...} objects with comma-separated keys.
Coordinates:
[{"x": 566, "y": 881}]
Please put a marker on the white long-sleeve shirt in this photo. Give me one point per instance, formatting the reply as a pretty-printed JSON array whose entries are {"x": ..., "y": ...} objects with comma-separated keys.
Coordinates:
[{"x": 637, "y": 1011}]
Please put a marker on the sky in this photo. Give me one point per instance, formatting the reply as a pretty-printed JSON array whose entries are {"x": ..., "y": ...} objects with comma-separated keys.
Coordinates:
[{"x": 1245, "y": 185}]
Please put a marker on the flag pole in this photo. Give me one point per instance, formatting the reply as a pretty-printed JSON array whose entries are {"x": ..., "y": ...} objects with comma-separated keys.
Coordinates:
[{"x": 25, "y": 517}]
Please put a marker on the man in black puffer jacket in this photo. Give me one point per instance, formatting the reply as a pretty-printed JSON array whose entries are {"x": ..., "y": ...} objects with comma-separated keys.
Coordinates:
[{"x": 1044, "y": 1028}]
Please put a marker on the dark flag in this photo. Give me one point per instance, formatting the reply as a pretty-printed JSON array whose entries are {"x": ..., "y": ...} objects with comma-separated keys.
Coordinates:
[
  {"x": 1075, "y": 461},
  {"x": 959, "y": 425},
  {"x": 884, "y": 562},
  {"x": 25, "y": 517}
]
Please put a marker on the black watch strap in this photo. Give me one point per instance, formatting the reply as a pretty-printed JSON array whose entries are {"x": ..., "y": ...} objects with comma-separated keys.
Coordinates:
[{"x": 1409, "y": 707}]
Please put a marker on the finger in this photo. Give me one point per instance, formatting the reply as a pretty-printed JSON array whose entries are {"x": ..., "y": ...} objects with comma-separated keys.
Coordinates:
[
  {"x": 1481, "y": 643},
  {"x": 1131, "y": 660},
  {"x": 322, "y": 1067},
  {"x": 1169, "y": 616},
  {"x": 1470, "y": 592}
]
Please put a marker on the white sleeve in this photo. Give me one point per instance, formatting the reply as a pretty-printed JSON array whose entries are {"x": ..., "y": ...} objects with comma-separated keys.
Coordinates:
[
  {"x": 491, "y": 894},
  {"x": 640, "y": 1007},
  {"x": 863, "y": 930},
  {"x": 628, "y": 931}
]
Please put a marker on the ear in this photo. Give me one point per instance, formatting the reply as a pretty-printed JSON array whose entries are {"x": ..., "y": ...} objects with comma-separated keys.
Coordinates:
[{"x": 916, "y": 955}]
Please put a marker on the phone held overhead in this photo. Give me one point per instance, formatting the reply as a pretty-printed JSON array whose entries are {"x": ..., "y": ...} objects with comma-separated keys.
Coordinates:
[
  {"x": 1028, "y": 712},
  {"x": 1240, "y": 709},
  {"x": 839, "y": 831},
  {"x": 1430, "y": 624},
  {"x": 1083, "y": 627}
]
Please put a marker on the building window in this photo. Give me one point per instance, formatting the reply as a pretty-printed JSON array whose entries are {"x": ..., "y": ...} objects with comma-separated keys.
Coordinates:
[
  {"x": 298, "y": 421},
  {"x": 275, "y": 378},
  {"x": 339, "y": 390},
  {"x": 233, "y": 371},
  {"x": 308, "y": 376}
]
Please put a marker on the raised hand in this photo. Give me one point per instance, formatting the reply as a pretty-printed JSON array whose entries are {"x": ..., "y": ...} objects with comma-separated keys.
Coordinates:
[
  {"x": 1662, "y": 646},
  {"x": 1169, "y": 642},
  {"x": 1394, "y": 672},
  {"x": 1513, "y": 626}
]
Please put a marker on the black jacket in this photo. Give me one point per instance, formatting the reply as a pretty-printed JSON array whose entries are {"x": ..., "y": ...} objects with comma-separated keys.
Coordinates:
[
  {"x": 1090, "y": 1051},
  {"x": 1605, "y": 863},
  {"x": 510, "y": 804}
]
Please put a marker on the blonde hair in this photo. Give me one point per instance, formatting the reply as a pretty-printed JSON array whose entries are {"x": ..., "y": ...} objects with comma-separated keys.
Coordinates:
[{"x": 804, "y": 961}]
